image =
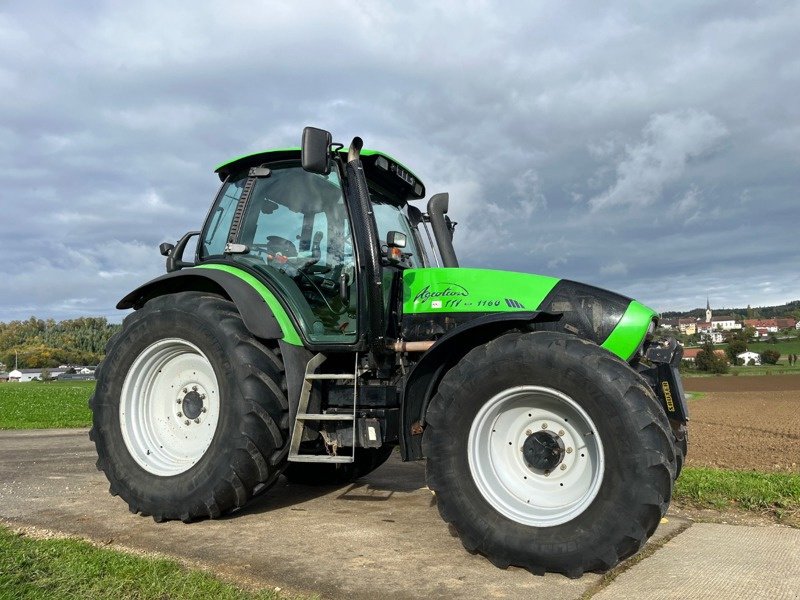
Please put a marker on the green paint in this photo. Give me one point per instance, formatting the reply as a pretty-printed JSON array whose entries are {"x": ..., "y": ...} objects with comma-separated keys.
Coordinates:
[
  {"x": 472, "y": 290},
  {"x": 266, "y": 153},
  {"x": 630, "y": 330},
  {"x": 290, "y": 335}
]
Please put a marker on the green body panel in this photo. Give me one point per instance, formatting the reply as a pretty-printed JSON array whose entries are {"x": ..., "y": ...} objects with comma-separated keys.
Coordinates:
[
  {"x": 456, "y": 290},
  {"x": 630, "y": 330},
  {"x": 364, "y": 152},
  {"x": 290, "y": 335}
]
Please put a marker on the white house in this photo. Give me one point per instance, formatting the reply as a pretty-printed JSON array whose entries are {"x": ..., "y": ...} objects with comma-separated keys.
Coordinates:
[
  {"x": 725, "y": 323},
  {"x": 746, "y": 357},
  {"x": 25, "y": 375}
]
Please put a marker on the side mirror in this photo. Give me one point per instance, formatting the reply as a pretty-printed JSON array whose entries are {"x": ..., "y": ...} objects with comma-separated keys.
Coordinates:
[
  {"x": 395, "y": 239},
  {"x": 175, "y": 260},
  {"x": 315, "y": 150},
  {"x": 165, "y": 248}
]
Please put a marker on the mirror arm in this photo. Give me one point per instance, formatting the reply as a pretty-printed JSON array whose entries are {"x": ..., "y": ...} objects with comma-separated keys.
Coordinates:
[{"x": 175, "y": 260}]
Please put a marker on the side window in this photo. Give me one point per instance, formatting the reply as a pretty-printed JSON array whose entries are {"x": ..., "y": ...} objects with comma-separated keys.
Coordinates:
[
  {"x": 391, "y": 218},
  {"x": 298, "y": 235},
  {"x": 279, "y": 230},
  {"x": 216, "y": 232}
]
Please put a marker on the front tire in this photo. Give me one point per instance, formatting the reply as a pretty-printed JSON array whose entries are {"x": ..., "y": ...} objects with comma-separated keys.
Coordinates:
[
  {"x": 547, "y": 452},
  {"x": 190, "y": 416}
]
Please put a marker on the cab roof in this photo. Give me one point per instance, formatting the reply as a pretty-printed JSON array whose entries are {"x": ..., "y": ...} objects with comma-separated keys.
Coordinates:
[{"x": 377, "y": 164}]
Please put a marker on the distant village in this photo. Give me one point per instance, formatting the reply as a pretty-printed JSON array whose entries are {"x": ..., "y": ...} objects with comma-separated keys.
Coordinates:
[{"x": 717, "y": 329}]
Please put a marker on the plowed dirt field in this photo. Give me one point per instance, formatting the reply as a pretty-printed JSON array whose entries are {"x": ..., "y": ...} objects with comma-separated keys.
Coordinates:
[{"x": 745, "y": 423}]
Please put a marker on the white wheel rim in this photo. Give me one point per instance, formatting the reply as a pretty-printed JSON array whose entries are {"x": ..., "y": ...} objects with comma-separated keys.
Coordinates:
[
  {"x": 164, "y": 429},
  {"x": 504, "y": 478}
]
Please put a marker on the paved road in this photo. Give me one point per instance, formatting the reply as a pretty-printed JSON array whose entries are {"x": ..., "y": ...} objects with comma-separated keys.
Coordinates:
[{"x": 381, "y": 537}]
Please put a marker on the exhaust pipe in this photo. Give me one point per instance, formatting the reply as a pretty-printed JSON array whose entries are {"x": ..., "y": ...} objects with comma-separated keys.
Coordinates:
[{"x": 437, "y": 208}]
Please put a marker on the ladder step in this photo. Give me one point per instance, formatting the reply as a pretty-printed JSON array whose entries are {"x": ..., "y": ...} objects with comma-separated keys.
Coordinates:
[
  {"x": 316, "y": 458},
  {"x": 325, "y": 417},
  {"x": 330, "y": 376}
]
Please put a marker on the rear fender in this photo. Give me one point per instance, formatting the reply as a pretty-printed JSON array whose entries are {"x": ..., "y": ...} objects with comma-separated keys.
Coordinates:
[
  {"x": 422, "y": 381},
  {"x": 256, "y": 314}
]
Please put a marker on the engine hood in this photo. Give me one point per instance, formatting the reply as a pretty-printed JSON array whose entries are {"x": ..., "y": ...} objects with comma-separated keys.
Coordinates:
[{"x": 449, "y": 297}]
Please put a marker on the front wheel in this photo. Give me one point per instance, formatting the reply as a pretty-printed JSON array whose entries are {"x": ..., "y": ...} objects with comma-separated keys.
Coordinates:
[{"x": 547, "y": 452}]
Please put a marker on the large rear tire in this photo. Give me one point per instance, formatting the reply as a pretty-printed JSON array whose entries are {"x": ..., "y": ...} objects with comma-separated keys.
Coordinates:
[
  {"x": 549, "y": 453},
  {"x": 190, "y": 416}
]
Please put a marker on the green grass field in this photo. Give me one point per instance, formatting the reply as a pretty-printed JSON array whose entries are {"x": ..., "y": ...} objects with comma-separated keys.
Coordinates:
[
  {"x": 32, "y": 569},
  {"x": 784, "y": 347},
  {"x": 777, "y": 494},
  {"x": 38, "y": 405}
]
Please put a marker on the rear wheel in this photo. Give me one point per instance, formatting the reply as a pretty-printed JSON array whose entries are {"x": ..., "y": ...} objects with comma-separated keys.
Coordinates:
[
  {"x": 190, "y": 416},
  {"x": 547, "y": 452}
]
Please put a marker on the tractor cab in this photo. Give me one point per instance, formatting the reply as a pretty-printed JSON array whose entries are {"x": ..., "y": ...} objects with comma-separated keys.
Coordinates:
[{"x": 292, "y": 228}]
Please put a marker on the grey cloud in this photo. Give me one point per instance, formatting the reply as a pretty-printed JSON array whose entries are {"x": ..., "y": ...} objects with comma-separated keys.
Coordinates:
[
  {"x": 651, "y": 149},
  {"x": 670, "y": 140}
]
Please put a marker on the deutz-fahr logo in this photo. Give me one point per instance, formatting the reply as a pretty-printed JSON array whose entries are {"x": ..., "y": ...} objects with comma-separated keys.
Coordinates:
[{"x": 450, "y": 290}]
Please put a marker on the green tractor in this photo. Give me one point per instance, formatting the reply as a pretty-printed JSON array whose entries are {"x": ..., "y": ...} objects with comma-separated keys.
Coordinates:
[{"x": 312, "y": 334}]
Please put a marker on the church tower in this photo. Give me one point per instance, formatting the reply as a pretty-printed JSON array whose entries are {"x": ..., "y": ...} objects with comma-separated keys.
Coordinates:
[{"x": 708, "y": 311}]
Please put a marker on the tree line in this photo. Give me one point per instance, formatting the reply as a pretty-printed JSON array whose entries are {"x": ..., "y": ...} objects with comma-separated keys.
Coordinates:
[{"x": 46, "y": 343}]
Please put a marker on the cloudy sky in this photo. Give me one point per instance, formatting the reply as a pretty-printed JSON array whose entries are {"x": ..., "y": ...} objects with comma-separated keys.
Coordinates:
[{"x": 650, "y": 148}]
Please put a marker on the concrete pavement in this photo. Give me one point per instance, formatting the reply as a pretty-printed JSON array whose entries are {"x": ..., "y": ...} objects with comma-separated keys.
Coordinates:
[{"x": 381, "y": 537}]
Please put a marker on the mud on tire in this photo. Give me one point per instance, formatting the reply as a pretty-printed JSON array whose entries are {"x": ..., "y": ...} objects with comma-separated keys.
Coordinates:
[
  {"x": 601, "y": 523},
  {"x": 247, "y": 447}
]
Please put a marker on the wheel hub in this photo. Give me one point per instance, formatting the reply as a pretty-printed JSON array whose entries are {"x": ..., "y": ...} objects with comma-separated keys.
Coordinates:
[
  {"x": 543, "y": 450},
  {"x": 192, "y": 404},
  {"x": 169, "y": 407}
]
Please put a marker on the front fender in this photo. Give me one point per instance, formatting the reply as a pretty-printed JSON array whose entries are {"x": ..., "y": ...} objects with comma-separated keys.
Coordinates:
[
  {"x": 258, "y": 317},
  {"x": 424, "y": 378}
]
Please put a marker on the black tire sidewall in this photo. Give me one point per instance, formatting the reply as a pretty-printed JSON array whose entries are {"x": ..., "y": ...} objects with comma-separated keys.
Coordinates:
[
  {"x": 183, "y": 493},
  {"x": 591, "y": 377}
]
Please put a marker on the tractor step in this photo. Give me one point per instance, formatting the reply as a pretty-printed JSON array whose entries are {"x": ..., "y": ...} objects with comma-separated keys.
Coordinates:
[
  {"x": 322, "y": 458},
  {"x": 303, "y": 415},
  {"x": 325, "y": 417}
]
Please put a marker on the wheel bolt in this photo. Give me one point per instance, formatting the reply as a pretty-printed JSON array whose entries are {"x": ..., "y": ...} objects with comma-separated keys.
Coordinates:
[
  {"x": 203, "y": 409},
  {"x": 563, "y": 467},
  {"x": 197, "y": 420},
  {"x": 561, "y": 432},
  {"x": 202, "y": 396},
  {"x": 185, "y": 391},
  {"x": 178, "y": 400},
  {"x": 544, "y": 425},
  {"x": 186, "y": 422},
  {"x": 569, "y": 450},
  {"x": 194, "y": 388},
  {"x": 528, "y": 432},
  {"x": 180, "y": 414}
]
